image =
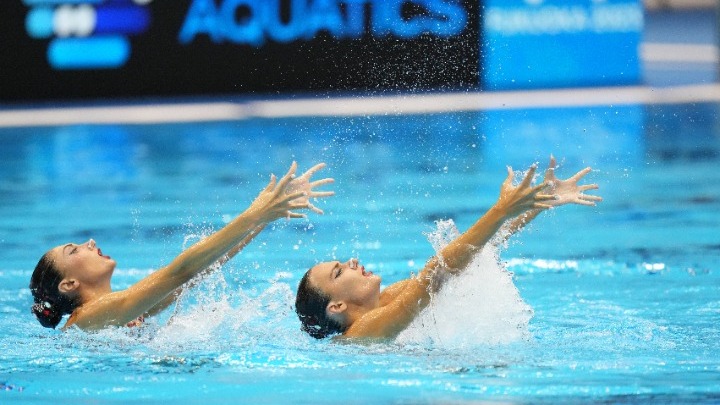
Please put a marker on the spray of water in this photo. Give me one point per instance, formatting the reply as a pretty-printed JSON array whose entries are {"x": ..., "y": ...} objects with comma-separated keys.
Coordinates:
[{"x": 480, "y": 306}]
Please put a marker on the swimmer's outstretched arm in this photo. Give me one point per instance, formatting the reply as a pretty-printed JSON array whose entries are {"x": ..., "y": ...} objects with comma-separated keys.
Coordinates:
[
  {"x": 513, "y": 201},
  {"x": 564, "y": 191},
  {"x": 173, "y": 296},
  {"x": 298, "y": 184},
  {"x": 279, "y": 199},
  {"x": 388, "y": 320}
]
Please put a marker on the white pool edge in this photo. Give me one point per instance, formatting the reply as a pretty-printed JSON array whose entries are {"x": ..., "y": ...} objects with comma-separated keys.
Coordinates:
[{"x": 183, "y": 112}]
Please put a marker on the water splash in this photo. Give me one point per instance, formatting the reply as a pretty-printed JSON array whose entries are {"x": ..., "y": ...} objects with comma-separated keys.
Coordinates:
[
  {"x": 215, "y": 315},
  {"x": 481, "y": 306}
]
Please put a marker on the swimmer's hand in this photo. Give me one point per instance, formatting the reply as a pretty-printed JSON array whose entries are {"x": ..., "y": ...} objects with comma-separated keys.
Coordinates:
[
  {"x": 281, "y": 198},
  {"x": 515, "y": 200},
  {"x": 568, "y": 191},
  {"x": 304, "y": 185}
]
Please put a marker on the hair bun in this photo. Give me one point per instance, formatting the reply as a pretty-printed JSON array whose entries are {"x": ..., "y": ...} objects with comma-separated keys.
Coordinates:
[{"x": 46, "y": 313}]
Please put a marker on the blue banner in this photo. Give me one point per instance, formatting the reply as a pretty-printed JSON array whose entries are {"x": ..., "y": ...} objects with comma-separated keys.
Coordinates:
[{"x": 559, "y": 43}]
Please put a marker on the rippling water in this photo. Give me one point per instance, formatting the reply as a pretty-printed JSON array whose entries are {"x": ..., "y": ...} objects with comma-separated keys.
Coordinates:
[{"x": 617, "y": 303}]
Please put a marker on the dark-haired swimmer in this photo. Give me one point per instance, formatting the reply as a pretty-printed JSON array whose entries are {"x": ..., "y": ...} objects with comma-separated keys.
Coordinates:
[
  {"x": 75, "y": 278},
  {"x": 342, "y": 298}
]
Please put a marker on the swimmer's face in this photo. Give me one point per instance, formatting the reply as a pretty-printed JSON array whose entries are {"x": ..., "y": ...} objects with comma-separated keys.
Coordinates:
[
  {"x": 348, "y": 281},
  {"x": 84, "y": 262}
]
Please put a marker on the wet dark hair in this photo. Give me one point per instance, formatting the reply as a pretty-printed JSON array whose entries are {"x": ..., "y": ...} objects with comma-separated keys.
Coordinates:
[
  {"x": 50, "y": 304},
  {"x": 311, "y": 306}
]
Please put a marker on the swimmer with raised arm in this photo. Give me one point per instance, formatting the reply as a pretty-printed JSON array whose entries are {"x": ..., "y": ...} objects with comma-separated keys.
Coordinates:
[
  {"x": 75, "y": 278},
  {"x": 342, "y": 298}
]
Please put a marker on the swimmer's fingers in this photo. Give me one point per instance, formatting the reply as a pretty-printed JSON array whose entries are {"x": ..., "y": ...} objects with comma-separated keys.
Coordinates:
[
  {"x": 322, "y": 182},
  {"x": 320, "y": 194},
  {"x": 579, "y": 175},
  {"x": 287, "y": 178},
  {"x": 550, "y": 171},
  {"x": 304, "y": 195},
  {"x": 527, "y": 180},
  {"x": 587, "y": 187},
  {"x": 311, "y": 171},
  {"x": 300, "y": 206},
  {"x": 545, "y": 197},
  {"x": 589, "y": 200},
  {"x": 542, "y": 206},
  {"x": 271, "y": 185},
  {"x": 539, "y": 201},
  {"x": 287, "y": 198},
  {"x": 291, "y": 214},
  {"x": 580, "y": 201},
  {"x": 589, "y": 197},
  {"x": 508, "y": 180},
  {"x": 302, "y": 202},
  {"x": 540, "y": 187},
  {"x": 315, "y": 209},
  {"x": 299, "y": 203}
]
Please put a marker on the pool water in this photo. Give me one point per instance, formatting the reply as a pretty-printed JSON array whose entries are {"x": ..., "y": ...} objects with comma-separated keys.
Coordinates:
[{"x": 609, "y": 304}]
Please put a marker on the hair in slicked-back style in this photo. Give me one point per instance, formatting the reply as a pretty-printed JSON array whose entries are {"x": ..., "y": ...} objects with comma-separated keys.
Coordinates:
[
  {"x": 311, "y": 306},
  {"x": 50, "y": 304}
]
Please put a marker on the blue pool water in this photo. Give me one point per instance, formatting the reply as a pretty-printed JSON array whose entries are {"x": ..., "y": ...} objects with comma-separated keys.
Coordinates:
[{"x": 612, "y": 304}]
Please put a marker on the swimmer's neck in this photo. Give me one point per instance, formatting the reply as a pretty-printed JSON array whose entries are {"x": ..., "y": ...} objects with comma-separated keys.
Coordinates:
[
  {"x": 88, "y": 295},
  {"x": 95, "y": 293},
  {"x": 354, "y": 312}
]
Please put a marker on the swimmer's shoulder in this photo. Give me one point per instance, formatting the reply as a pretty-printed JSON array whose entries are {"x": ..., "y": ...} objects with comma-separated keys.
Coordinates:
[
  {"x": 70, "y": 322},
  {"x": 365, "y": 340},
  {"x": 392, "y": 291}
]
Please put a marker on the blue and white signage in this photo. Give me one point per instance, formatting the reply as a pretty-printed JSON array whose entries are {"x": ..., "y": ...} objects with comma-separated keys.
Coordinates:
[
  {"x": 556, "y": 43},
  {"x": 87, "y": 34},
  {"x": 71, "y": 49},
  {"x": 262, "y": 20}
]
